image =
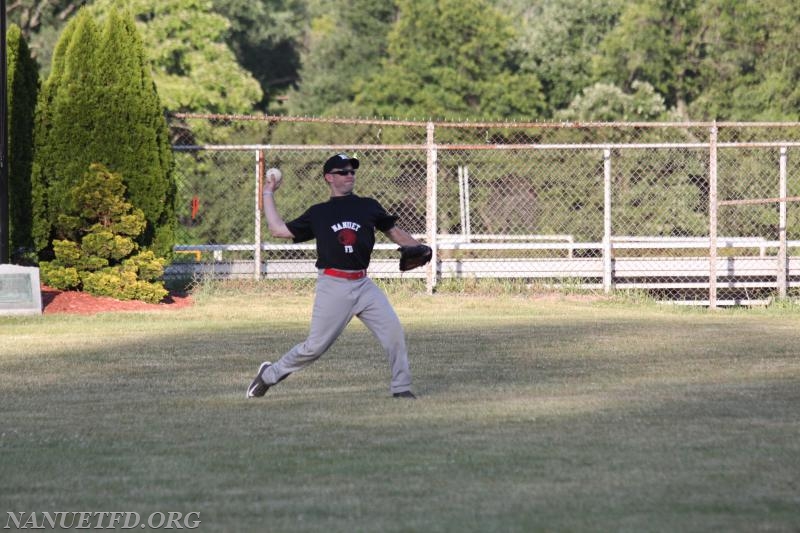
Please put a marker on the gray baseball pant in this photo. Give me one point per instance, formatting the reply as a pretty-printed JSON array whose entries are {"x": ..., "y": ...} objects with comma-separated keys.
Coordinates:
[{"x": 336, "y": 302}]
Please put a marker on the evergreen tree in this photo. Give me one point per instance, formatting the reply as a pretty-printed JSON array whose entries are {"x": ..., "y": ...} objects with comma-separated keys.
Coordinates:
[
  {"x": 101, "y": 106},
  {"x": 135, "y": 141},
  {"x": 43, "y": 161},
  {"x": 98, "y": 253},
  {"x": 73, "y": 121},
  {"x": 53, "y": 149},
  {"x": 23, "y": 86}
]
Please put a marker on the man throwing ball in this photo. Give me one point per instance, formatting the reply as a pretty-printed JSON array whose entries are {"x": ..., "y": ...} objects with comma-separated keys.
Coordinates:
[{"x": 344, "y": 229}]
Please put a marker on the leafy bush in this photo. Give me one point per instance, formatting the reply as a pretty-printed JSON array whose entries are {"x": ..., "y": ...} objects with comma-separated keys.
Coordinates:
[
  {"x": 98, "y": 253},
  {"x": 123, "y": 285}
]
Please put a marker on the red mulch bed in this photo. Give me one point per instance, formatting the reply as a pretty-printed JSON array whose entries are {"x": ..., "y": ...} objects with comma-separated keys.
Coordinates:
[{"x": 56, "y": 301}]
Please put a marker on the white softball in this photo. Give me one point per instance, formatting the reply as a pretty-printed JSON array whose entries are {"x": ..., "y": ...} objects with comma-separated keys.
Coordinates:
[{"x": 275, "y": 176}]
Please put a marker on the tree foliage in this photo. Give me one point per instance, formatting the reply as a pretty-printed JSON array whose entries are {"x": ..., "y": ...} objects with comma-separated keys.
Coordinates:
[
  {"x": 341, "y": 50},
  {"x": 607, "y": 103},
  {"x": 100, "y": 73},
  {"x": 263, "y": 35},
  {"x": 192, "y": 66},
  {"x": 716, "y": 59},
  {"x": 558, "y": 40},
  {"x": 23, "y": 87},
  {"x": 450, "y": 59},
  {"x": 752, "y": 69},
  {"x": 719, "y": 59},
  {"x": 45, "y": 157},
  {"x": 41, "y": 21},
  {"x": 660, "y": 42}
]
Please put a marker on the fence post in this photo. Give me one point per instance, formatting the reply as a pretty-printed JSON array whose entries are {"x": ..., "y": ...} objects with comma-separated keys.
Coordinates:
[
  {"x": 260, "y": 165},
  {"x": 467, "y": 208},
  {"x": 461, "y": 203},
  {"x": 712, "y": 216},
  {"x": 607, "y": 251},
  {"x": 431, "y": 208},
  {"x": 463, "y": 198},
  {"x": 782, "y": 194}
]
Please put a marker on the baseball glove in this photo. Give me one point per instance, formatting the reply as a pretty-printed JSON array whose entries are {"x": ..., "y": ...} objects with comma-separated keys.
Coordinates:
[{"x": 414, "y": 256}]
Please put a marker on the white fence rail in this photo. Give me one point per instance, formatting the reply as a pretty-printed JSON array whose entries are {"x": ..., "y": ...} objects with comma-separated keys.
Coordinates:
[{"x": 710, "y": 221}]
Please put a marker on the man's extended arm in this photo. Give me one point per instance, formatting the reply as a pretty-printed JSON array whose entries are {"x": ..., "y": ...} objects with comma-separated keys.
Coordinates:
[
  {"x": 277, "y": 227},
  {"x": 401, "y": 237}
]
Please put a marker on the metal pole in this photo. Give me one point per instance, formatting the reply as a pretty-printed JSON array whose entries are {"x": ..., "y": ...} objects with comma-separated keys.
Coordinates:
[
  {"x": 432, "y": 215},
  {"x": 712, "y": 222},
  {"x": 782, "y": 264},
  {"x": 607, "y": 251},
  {"x": 467, "y": 208},
  {"x": 260, "y": 166},
  {"x": 5, "y": 238},
  {"x": 461, "y": 203}
]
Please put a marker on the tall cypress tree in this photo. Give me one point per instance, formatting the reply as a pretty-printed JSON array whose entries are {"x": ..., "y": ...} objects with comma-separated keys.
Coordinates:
[
  {"x": 23, "y": 86},
  {"x": 44, "y": 158},
  {"x": 135, "y": 135},
  {"x": 62, "y": 128},
  {"x": 74, "y": 126},
  {"x": 100, "y": 105}
]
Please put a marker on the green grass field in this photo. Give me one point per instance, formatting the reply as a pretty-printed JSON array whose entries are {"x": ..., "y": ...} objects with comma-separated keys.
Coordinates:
[{"x": 534, "y": 415}]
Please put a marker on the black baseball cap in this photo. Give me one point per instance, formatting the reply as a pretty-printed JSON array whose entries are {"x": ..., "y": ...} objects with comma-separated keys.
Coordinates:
[{"x": 339, "y": 161}]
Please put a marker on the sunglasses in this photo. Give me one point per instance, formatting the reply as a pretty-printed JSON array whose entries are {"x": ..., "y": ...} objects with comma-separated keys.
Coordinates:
[{"x": 343, "y": 172}]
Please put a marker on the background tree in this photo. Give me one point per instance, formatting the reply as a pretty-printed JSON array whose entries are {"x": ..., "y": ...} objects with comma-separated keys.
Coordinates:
[
  {"x": 23, "y": 87},
  {"x": 753, "y": 67},
  {"x": 607, "y": 103},
  {"x": 450, "y": 59},
  {"x": 264, "y": 36},
  {"x": 723, "y": 59},
  {"x": 101, "y": 106},
  {"x": 41, "y": 21},
  {"x": 192, "y": 66},
  {"x": 261, "y": 35},
  {"x": 558, "y": 40},
  {"x": 343, "y": 47},
  {"x": 660, "y": 42}
]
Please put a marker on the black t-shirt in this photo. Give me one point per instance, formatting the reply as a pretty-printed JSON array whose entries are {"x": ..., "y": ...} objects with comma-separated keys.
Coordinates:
[{"x": 344, "y": 227}]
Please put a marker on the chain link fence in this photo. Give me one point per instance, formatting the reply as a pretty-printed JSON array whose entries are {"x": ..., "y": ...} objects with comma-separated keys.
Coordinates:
[{"x": 696, "y": 213}]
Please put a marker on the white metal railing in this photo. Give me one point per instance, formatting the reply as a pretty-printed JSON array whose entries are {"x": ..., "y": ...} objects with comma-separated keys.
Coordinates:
[
  {"x": 626, "y": 272},
  {"x": 605, "y": 253}
]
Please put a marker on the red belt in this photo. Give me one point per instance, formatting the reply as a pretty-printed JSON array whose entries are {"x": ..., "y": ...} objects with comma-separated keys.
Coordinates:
[{"x": 358, "y": 274}]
